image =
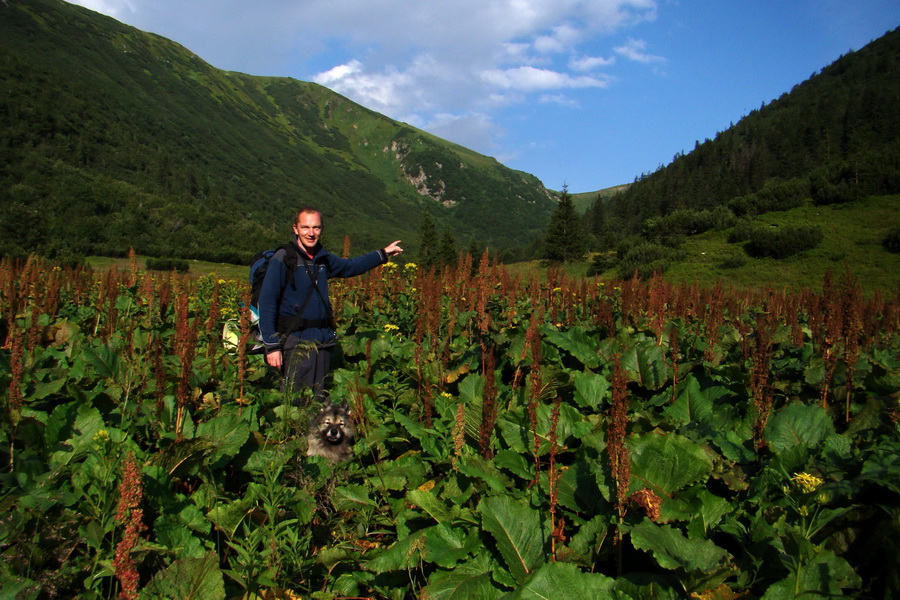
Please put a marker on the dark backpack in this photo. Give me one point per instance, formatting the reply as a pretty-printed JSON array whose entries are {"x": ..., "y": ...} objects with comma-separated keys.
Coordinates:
[
  {"x": 260, "y": 265},
  {"x": 258, "y": 268}
]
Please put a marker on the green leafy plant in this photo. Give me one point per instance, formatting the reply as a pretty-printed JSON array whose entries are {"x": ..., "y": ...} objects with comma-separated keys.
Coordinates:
[{"x": 515, "y": 437}]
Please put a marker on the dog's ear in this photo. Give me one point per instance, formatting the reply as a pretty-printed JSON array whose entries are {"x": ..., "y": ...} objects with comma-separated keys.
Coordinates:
[{"x": 345, "y": 406}]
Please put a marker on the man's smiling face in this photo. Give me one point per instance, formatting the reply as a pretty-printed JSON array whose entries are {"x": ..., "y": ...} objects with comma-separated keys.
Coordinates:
[{"x": 308, "y": 229}]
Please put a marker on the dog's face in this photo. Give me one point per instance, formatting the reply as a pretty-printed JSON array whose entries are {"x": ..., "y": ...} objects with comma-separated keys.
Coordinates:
[{"x": 331, "y": 432}]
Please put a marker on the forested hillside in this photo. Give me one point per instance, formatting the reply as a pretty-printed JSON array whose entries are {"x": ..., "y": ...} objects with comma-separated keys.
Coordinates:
[
  {"x": 833, "y": 138},
  {"x": 113, "y": 138},
  {"x": 832, "y": 141}
]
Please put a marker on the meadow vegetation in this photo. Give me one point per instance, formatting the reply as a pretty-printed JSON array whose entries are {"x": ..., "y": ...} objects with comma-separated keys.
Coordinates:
[{"x": 518, "y": 436}]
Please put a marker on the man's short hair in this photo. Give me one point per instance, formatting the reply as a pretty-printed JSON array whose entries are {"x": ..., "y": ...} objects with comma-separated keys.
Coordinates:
[{"x": 309, "y": 209}]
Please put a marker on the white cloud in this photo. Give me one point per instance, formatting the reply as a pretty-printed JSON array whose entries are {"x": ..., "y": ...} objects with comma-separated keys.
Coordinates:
[
  {"x": 114, "y": 8},
  {"x": 562, "y": 39},
  {"x": 634, "y": 50},
  {"x": 559, "y": 99},
  {"x": 384, "y": 92},
  {"x": 590, "y": 63},
  {"x": 532, "y": 79}
]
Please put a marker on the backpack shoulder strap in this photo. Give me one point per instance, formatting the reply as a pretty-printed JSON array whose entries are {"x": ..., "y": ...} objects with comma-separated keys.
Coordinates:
[{"x": 291, "y": 256}]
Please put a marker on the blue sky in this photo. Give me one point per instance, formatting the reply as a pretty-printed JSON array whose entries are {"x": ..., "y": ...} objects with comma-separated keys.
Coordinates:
[{"x": 587, "y": 93}]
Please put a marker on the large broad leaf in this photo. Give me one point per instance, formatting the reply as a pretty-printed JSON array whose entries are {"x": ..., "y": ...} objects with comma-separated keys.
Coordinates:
[
  {"x": 427, "y": 437},
  {"x": 577, "y": 489},
  {"x": 672, "y": 550},
  {"x": 515, "y": 463},
  {"x": 517, "y": 529},
  {"x": 590, "y": 389},
  {"x": 666, "y": 463},
  {"x": 428, "y": 502},
  {"x": 825, "y": 576},
  {"x": 88, "y": 422},
  {"x": 227, "y": 431},
  {"x": 403, "y": 555},
  {"x": 59, "y": 423},
  {"x": 883, "y": 466},
  {"x": 647, "y": 365},
  {"x": 189, "y": 579},
  {"x": 577, "y": 342},
  {"x": 589, "y": 538},
  {"x": 456, "y": 585},
  {"x": 691, "y": 405},
  {"x": 228, "y": 516},
  {"x": 442, "y": 545},
  {"x": 471, "y": 392},
  {"x": 179, "y": 540},
  {"x": 556, "y": 580},
  {"x": 45, "y": 389},
  {"x": 479, "y": 468},
  {"x": 183, "y": 458},
  {"x": 798, "y": 425},
  {"x": 104, "y": 359},
  {"x": 445, "y": 546},
  {"x": 351, "y": 497},
  {"x": 515, "y": 427}
]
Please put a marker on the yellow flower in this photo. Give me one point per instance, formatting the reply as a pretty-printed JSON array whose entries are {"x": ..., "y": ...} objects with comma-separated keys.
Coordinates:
[
  {"x": 410, "y": 266},
  {"x": 806, "y": 482},
  {"x": 390, "y": 327}
]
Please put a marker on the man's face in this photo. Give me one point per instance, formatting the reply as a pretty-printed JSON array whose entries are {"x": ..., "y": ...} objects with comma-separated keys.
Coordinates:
[{"x": 308, "y": 229}]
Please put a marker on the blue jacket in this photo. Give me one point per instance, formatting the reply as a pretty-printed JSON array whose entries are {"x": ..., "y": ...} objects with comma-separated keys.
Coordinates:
[{"x": 279, "y": 295}]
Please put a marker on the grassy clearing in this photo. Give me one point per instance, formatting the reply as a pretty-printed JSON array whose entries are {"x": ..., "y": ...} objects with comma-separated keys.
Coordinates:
[
  {"x": 853, "y": 234},
  {"x": 197, "y": 267}
]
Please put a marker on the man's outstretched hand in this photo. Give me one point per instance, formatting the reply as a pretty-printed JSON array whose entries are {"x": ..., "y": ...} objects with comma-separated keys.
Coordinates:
[{"x": 394, "y": 249}]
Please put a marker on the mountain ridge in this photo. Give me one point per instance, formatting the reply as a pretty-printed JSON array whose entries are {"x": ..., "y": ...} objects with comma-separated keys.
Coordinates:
[{"x": 125, "y": 120}]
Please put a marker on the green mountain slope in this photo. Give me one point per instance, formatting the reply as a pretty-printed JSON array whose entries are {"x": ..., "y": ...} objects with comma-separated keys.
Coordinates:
[
  {"x": 832, "y": 138},
  {"x": 111, "y": 137},
  {"x": 804, "y": 185}
]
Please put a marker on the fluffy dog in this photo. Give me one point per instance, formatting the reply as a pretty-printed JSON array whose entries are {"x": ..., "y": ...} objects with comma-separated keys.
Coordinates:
[{"x": 331, "y": 432}]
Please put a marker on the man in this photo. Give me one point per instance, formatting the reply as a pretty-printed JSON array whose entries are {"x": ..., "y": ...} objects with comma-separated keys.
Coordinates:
[{"x": 295, "y": 314}]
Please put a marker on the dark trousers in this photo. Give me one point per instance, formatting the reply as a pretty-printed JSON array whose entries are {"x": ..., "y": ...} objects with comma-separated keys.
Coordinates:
[{"x": 306, "y": 366}]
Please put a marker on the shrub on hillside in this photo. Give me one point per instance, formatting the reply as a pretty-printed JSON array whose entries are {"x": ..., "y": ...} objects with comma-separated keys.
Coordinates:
[
  {"x": 167, "y": 264},
  {"x": 776, "y": 195},
  {"x": 741, "y": 231},
  {"x": 602, "y": 261},
  {"x": 733, "y": 261},
  {"x": 783, "y": 242},
  {"x": 835, "y": 193},
  {"x": 891, "y": 241},
  {"x": 680, "y": 223},
  {"x": 646, "y": 259}
]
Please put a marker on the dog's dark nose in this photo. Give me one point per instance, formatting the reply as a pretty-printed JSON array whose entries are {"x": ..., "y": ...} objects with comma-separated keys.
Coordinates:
[{"x": 334, "y": 434}]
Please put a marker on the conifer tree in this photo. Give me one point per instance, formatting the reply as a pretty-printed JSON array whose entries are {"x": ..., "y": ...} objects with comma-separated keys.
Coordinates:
[
  {"x": 565, "y": 233},
  {"x": 597, "y": 224},
  {"x": 447, "y": 249},
  {"x": 429, "y": 242}
]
